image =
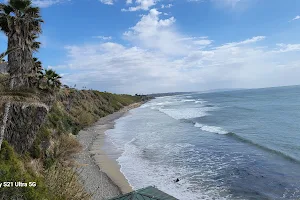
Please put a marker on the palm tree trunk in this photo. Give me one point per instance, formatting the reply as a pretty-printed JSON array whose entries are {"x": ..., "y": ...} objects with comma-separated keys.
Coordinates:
[{"x": 19, "y": 63}]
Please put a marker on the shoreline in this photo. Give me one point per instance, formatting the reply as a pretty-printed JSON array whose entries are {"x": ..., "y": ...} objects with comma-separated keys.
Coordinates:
[{"x": 100, "y": 174}]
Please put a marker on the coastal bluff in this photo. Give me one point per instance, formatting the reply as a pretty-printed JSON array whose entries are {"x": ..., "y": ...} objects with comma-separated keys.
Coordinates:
[{"x": 38, "y": 138}]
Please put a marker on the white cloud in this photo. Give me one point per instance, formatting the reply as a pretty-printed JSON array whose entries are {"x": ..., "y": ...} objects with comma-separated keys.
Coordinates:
[
  {"x": 161, "y": 59},
  {"x": 288, "y": 47},
  {"x": 154, "y": 33},
  {"x": 119, "y": 67},
  {"x": 202, "y": 42},
  {"x": 199, "y": 42},
  {"x": 247, "y": 41},
  {"x": 296, "y": 18},
  {"x": 148, "y": 4},
  {"x": 140, "y": 5},
  {"x": 46, "y": 3},
  {"x": 103, "y": 37},
  {"x": 167, "y": 6},
  {"x": 114, "y": 67},
  {"x": 107, "y": 2}
]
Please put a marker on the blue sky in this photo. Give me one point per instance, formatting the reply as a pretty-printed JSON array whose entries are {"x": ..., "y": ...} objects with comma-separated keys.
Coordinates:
[{"x": 145, "y": 46}]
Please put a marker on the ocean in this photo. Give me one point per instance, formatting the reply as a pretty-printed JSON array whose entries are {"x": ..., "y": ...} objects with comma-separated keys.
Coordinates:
[{"x": 242, "y": 144}]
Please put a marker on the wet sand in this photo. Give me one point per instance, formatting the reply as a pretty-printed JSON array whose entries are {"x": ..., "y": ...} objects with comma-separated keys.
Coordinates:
[{"x": 100, "y": 173}]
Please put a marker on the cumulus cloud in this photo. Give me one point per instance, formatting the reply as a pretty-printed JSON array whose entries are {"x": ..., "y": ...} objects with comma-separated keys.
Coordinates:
[
  {"x": 121, "y": 69},
  {"x": 155, "y": 33},
  {"x": 161, "y": 59},
  {"x": 288, "y": 47},
  {"x": 140, "y": 5},
  {"x": 296, "y": 18},
  {"x": 114, "y": 67}
]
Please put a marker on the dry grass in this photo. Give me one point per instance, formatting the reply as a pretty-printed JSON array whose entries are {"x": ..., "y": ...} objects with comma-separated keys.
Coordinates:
[
  {"x": 65, "y": 147},
  {"x": 36, "y": 166},
  {"x": 61, "y": 178},
  {"x": 63, "y": 183}
]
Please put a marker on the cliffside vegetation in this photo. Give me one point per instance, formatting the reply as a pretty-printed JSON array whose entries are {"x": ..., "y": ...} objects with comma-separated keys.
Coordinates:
[
  {"x": 49, "y": 160},
  {"x": 38, "y": 118}
]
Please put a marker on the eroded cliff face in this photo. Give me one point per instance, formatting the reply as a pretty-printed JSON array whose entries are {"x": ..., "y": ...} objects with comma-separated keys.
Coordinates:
[
  {"x": 20, "y": 123},
  {"x": 22, "y": 114}
]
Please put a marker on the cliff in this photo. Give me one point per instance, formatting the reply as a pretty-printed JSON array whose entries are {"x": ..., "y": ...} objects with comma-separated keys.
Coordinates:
[
  {"x": 38, "y": 131},
  {"x": 21, "y": 123}
]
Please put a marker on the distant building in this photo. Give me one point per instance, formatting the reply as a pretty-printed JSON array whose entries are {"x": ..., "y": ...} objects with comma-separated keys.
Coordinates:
[{"x": 3, "y": 68}]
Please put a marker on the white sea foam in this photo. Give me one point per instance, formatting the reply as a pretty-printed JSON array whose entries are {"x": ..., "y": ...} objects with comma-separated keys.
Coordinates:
[
  {"x": 147, "y": 159},
  {"x": 155, "y": 104},
  {"x": 187, "y": 100},
  {"x": 212, "y": 129},
  {"x": 142, "y": 173},
  {"x": 184, "y": 113},
  {"x": 200, "y": 101},
  {"x": 198, "y": 125}
]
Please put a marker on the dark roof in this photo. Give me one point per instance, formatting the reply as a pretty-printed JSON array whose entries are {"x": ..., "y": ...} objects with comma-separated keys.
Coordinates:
[{"x": 148, "y": 193}]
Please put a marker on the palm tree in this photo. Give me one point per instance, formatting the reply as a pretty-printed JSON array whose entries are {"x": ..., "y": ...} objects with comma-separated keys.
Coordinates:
[
  {"x": 53, "y": 79},
  {"x": 37, "y": 72},
  {"x": 35, "y": 44},
  {"x": 37, "y": 67},
  {"x": 21, "y": 23}
]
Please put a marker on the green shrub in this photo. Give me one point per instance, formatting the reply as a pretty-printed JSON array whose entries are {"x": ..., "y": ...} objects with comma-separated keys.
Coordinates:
[
  {"x": 76, "y": 130},
  {"x": 45, "y": 133},
  {"x": 49, "y": 162},
  {"x": 35, "y": 150},
  {"x": 86, "y": 118},
  {"x": 12, "y": 170}
]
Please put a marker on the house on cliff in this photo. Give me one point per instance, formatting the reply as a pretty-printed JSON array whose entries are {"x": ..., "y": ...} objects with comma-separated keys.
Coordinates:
[{"x": 148, "y": 193}]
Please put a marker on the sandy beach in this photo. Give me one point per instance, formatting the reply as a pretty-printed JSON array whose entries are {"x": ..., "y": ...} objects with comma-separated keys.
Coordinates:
[{"x": 99, "y": 173}]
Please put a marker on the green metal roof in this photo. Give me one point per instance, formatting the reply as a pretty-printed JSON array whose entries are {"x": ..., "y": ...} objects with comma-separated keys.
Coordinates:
[{"x": 148, "y": 193}]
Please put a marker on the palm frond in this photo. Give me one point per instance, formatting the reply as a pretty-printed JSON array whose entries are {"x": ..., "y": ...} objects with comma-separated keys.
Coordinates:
[
  {"x": 2, "y": 55},
  {"x": 7, "y": 9},
  {"x": 33, "y": 11},
  {"x": 19, "y": 4},
  {"x": 35, "y": 46},
  {"x": 2, "y": 5},
  {"x": 4, "y": 26}
]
